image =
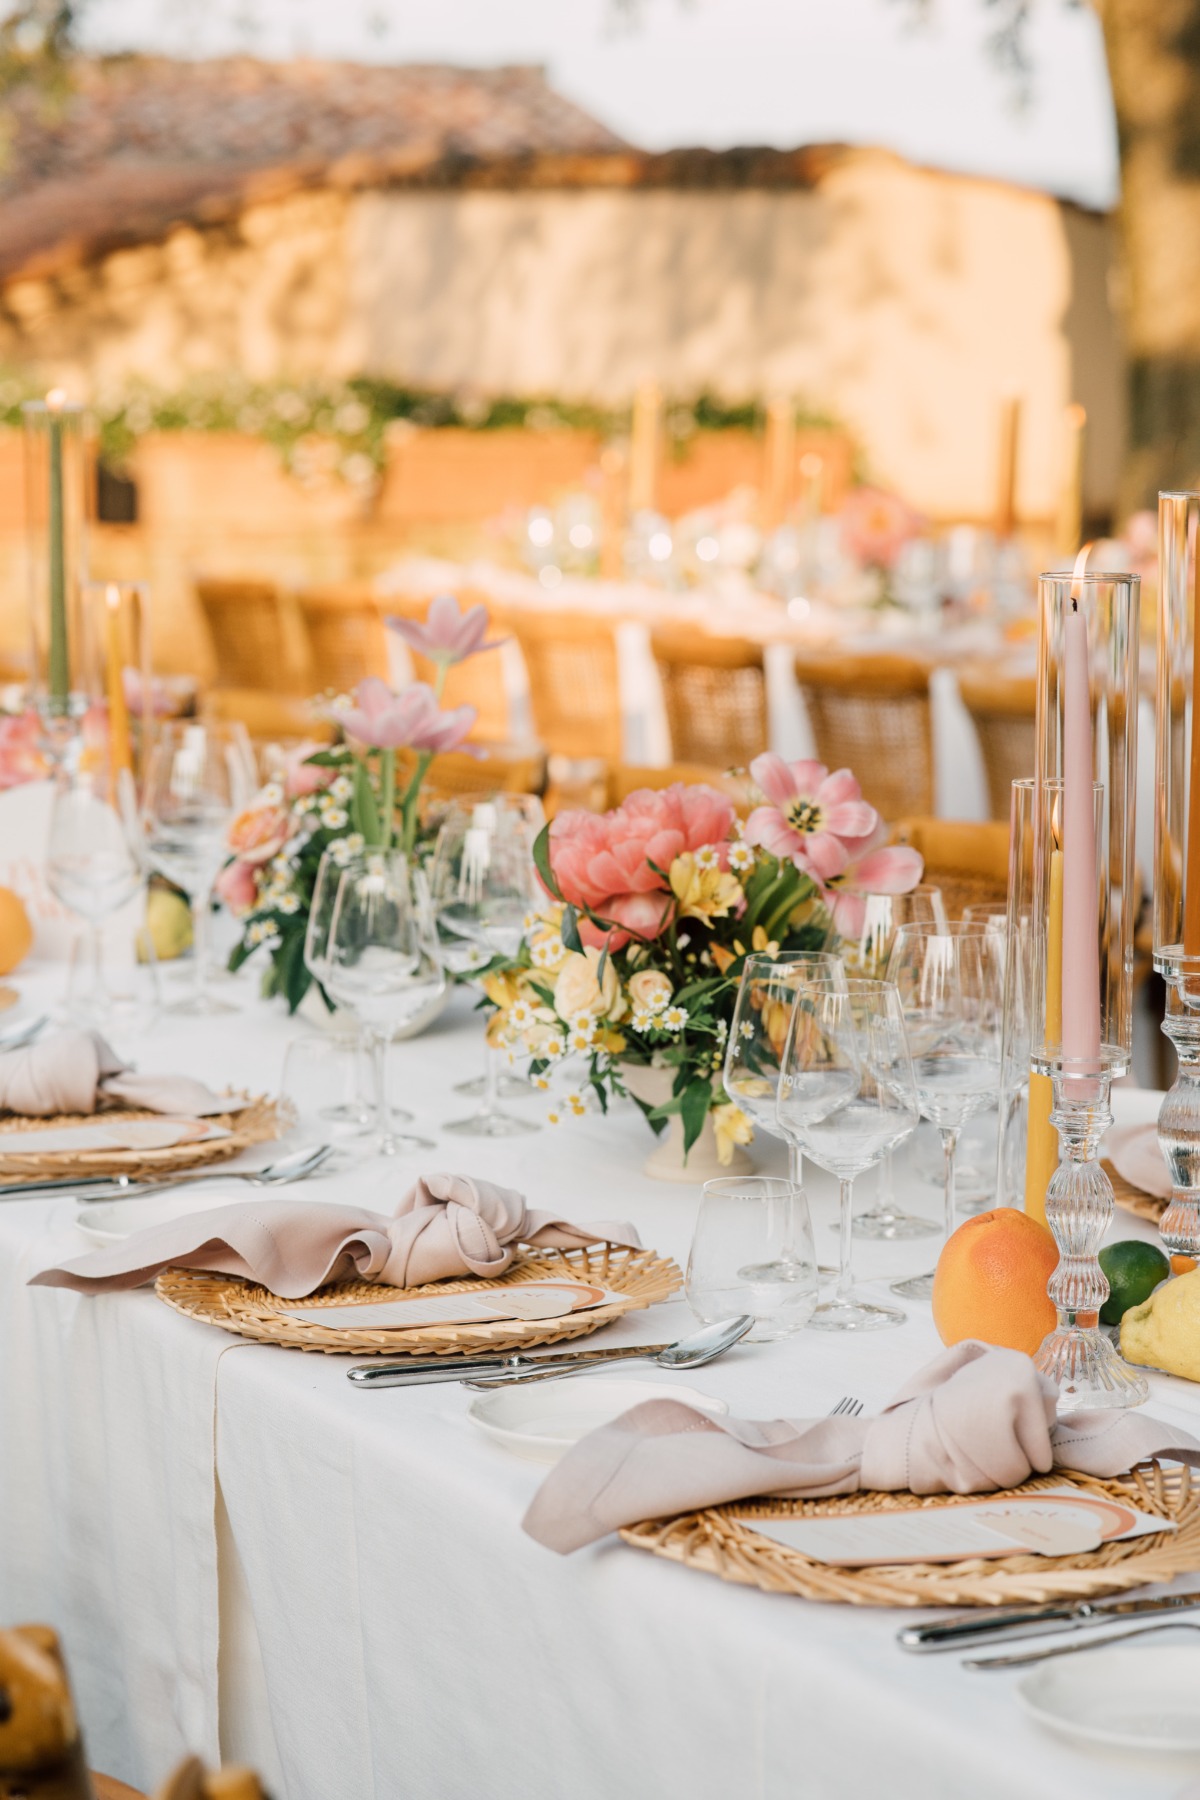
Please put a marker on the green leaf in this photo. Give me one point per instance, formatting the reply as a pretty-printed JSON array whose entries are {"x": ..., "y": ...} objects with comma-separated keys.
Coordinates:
[
  {"x": 694, "y": 1104},
  {"x": 541, "y": 862},
  {"x": 570, "y": 929},
  {"x": 364, "y": 811}
]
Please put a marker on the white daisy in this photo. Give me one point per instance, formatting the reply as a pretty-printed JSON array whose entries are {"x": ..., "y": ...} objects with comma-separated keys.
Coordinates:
[
  {"x": 271, "y": 795},
  {"x": 659, "y": 1001},
  {"x": 520, "y": 1015},
  {"x": 579, "y": 1042},
  {"x": 341, "y": 787},
  {"x": 746, "y": 1029},
  {"x": 644, "y": 1021},
  {"x": 675, "y": 1018},
  {"x": 289, "y": 903},
  {"x": 707, "y": 857},
  {"x": 741, "y": 857},
  {"x": 583, "y": 1025},
  {"x": 335, "y": 818},
  {"x": 553, "y": 1049}
]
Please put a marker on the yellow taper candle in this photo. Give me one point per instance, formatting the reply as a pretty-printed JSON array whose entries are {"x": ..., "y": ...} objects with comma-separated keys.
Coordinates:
[
  {"x": 1041, "y": 1144},
  {"x": 114, "y": 669}
]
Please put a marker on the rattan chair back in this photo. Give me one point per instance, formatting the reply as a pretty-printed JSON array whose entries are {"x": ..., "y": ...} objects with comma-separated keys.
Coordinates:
[
  {"x": 715, "y": 693},
  {"x": 966, "y": 860},
  {"x": 872, "y": 714},
  {"x": 254, "y": 644},
  {"x": 574, "y": 686},
  {"x": 1001, "y": 708},
  {"x": 346, "y": 636}
]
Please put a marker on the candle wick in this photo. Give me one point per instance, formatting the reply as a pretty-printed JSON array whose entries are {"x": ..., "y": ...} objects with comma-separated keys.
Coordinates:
[{"x": 1074, "y": 604}]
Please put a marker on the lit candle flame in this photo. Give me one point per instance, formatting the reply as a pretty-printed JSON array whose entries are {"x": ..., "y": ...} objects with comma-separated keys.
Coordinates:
[
  {"x": 1079, "y": 571},
  {"x": 56, "y": 399}
]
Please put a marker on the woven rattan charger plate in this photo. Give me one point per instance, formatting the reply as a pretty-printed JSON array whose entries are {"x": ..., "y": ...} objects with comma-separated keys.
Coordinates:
[
  {"x": 722, "y": 1540},
  {"x": 255, "y": 1123},
  {"x": 1134, "y": 1199},
  {"x": 638, "y": 1276}
]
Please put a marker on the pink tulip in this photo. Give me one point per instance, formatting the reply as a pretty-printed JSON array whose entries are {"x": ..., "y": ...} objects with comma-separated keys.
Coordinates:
[
  {"x": 302, "y": 777},
  {"x": 237, "y": 886},
  {"x": 448, "y": 636},
  {"x": 412, "y": 720},
  {"x": 875, "y": 869},
  {"x": 602, "y": 861},
  {"x": 816, "y": 820}
]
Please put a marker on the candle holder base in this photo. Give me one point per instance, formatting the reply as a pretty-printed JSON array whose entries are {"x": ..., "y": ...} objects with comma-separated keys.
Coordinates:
[
  {"x": 1179, "y": 1114},
  {"x": 1076, "y": 1355}
]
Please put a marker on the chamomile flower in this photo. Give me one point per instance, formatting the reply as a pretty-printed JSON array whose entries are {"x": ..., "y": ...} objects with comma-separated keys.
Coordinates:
[
  {"x": 675, "y": 1018},
  {"x": 259, "y": 931},
  {"x": 335, "y": 818},
  {"x": 545, "y": 953},
  {"x": 520, "y": 1015},
  {"x": 289, "y": 903},
  {"x": 746, "y": 1029},
  {"x": 741, "y": 857},
  {"x": 722, "y": 1030},
  {"x": 644, "y": 1021},
  {"x": 577, "y": 1103},
  {"x": 355, "y": 842},
  {"x": 708, "y": 857},
  {"x": 584, "y": 1022},
  {"x": 340, "y": 788},
  {"x": 540, "y": 1082},
  {"x": 553, "y": 1049},
  {"x": 341, "y": 852},
  {"x": 659, "y": 1001},
  {"x": 580, "y": 1042},
  {"x": 271, "y": 795}
]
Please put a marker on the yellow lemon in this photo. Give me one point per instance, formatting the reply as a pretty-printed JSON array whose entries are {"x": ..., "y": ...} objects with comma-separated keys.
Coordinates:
[
  {"x": 16, "y": 933},
  {"x": 1164, "y": 1331}
]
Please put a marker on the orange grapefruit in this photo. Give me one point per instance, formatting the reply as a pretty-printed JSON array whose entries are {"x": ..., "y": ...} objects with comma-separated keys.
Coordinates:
[
  {"x": 16, "y": 933},
  {"x": 991, "y": 1281}
]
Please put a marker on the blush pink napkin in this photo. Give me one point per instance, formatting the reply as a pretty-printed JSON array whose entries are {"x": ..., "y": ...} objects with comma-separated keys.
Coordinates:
[
  {"x": 79, "y": 1072},
  {"x": 974, "y": 1420},
  {"x": 446, "y": 1225},
  {"x": 1134, "y": 1153}
]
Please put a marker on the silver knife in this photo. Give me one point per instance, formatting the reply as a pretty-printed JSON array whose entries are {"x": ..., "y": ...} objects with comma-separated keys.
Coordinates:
[
  {"x": 968, "y": 1629},
  {"x": 416, "y": 1371}
]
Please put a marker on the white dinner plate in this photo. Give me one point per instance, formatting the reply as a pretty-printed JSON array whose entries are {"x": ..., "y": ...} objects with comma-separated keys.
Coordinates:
[
  {"x": 1145, "y": 1698},
  {"x": 111, "y": 1221},
  {"x": 542, "y": 1421}
]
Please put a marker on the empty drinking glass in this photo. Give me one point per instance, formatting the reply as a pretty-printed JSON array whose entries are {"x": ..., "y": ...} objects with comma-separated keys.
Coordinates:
[
  {"x": 92, "y": 860},
  {"x": 485, "y": 886},
  {"x": 847, "y": 1095},
  {"x": 198, "y": 779},
  {"x": 752, "y": 1235},
  {"x": 344, "y": 1104},
  {"x": 951, "y": 987},
  {"x": 865, "y": 954},
  {"x": 383, "y": 963}
]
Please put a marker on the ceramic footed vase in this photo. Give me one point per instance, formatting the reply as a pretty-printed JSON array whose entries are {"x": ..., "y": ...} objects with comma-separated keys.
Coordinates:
[{"x": 666, "y": 1160}]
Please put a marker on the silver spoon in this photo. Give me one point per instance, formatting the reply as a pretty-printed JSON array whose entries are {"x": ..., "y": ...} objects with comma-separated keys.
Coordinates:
[
  {"x": 688, "y": 1353},
  {"x": 296, "y": 1166}
]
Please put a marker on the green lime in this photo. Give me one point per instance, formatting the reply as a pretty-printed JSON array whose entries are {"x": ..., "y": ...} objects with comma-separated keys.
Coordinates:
[{"x": 1134, "y": 1269}]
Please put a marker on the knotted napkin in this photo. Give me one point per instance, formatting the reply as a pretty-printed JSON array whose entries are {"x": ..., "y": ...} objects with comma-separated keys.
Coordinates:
[
  {"x": 79, "y": 1072},
  {"x": 974, "y": 1420},
  {"x": 446, "y": 1225}
]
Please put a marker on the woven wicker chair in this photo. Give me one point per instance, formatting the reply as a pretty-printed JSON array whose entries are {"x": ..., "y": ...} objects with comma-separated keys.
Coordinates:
[
  {"x": 266, "y": 716},
  {"x": 501, "y": 769},
  {"x": 967, "y": 861},
  {"x": 255, "y": 642},
  {"x": 715, "y": 692},
  {"x": 1001, "y": 708},
  {"x": 872, "y": 714},
  {"x": 346, "y": 635},
  {"x": 478, "y": 682},
  {"x": 574, "y": 687}
]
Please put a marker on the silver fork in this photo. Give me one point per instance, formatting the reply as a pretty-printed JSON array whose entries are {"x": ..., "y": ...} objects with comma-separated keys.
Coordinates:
[
  {"x": 847, "y": 1408},
  {"x": 1096, "y": 1643}
]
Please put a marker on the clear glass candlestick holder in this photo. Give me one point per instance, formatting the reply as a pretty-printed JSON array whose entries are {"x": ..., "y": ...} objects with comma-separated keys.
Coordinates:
[
  {"x": 1177, "y": 858},
  {"x": 1076, "y": 1355}
]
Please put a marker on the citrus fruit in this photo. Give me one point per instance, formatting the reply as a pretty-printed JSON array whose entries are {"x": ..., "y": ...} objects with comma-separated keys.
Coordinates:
[
  {"x": 1134, "y": 1270},
  {"x": 1163, "y": 1332},
  {"x": 1182, "y": 1265},
  {"x": 991, "y": 1280},
  {"x": 16, "y": 933}
]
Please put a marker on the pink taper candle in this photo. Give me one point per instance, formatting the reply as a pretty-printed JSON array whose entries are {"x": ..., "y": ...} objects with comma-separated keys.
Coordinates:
[{"x": 1081, "y": 912}]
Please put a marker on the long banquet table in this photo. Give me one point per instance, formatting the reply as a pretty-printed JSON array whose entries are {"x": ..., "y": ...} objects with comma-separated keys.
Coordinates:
[{"x": 247, "y": 1556}]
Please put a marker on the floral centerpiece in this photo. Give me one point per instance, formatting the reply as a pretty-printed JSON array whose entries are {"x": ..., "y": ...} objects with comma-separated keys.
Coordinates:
[
  {"x": 361, "y": 792},
  {"x": 634, "y": 962}
]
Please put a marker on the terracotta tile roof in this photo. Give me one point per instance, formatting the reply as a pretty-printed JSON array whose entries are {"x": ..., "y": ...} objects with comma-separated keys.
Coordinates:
[{"x": 145, "y": 142}]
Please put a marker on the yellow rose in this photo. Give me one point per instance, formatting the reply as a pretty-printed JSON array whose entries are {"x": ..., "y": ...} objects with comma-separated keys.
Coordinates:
[
  {"x": 703, "y": 893},
  {"x": 579, "y": 988},
  {"x": 650, "y": 989}
]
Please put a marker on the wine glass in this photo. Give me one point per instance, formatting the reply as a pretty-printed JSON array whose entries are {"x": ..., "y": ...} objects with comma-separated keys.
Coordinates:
[
  {"x": 752, "y": 1235},
  {"x": 352, "y": 1108},
  {"x": 485, "y": 886},
  {"x": 951, "y": 987},
  {"x": 92, "y": 861},
  {"x": 847, "y": 1094},
  {"x": 762, "y": 1013},
  {"x": 382, "y": 961},
  {"x": 198, "y": 779},
  {"x": 865, "y": 954}
]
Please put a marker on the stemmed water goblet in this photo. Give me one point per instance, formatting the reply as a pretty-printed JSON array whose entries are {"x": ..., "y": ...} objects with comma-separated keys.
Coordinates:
[
  {"x": 198, "y": 779},
  {"x": 762, "y": 1013},
  {"x": 485, "y": 887},
  {"x": 951, "y": 987},
  {"x": 865, "y": 954},
  {"x": 92, "y": 859},
  {"x": 848, "y": 1097},
  {"x": 382, "y": 962}
]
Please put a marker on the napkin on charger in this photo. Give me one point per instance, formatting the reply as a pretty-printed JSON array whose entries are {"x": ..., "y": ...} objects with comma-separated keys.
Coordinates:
[
  {"x": 80, "y": 1072},
  {"x": 1134, "y": 1152},
  {"x": 446, "y": 1225},
  {"x": 974, "y": 1420}
]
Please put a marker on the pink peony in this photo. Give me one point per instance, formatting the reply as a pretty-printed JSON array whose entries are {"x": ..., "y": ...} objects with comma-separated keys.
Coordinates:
[
  {"x": 412, "y": 719},
  {"x": 874, "y": 868},
  {"x": 237, "y": 886},
  {"x": 302, "y": 777},
  {"x": 601, "y": 861},
  {"x": 21, "y": 755},
  {"x": 448, "y": 636},
  {"x": 259, "y": 833},
  {"x": 876, "y": 526},
  {"x": 815, "y": 819}
]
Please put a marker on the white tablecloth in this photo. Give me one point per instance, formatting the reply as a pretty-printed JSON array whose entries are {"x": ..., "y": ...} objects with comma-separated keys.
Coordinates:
[{"x": 354, "y": 1607}]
